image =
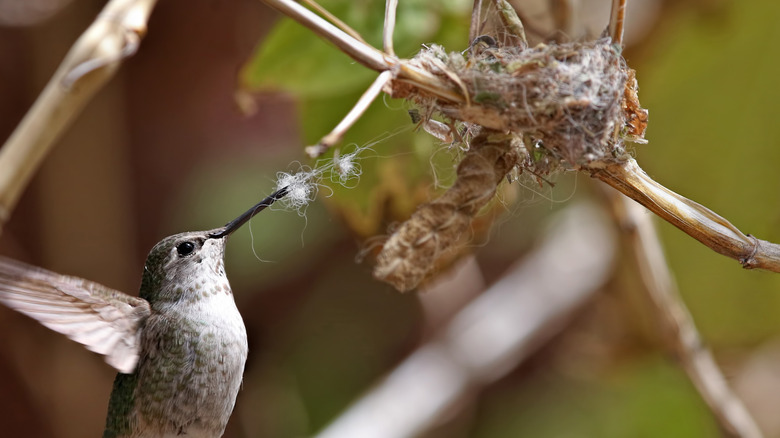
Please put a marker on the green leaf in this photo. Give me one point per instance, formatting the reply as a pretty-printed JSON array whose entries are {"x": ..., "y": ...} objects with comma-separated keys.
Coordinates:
[{"x": 293, "y": 59}]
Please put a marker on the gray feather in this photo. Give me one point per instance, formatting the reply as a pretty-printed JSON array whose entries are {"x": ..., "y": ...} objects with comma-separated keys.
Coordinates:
[{"x": 106, "y": 321}]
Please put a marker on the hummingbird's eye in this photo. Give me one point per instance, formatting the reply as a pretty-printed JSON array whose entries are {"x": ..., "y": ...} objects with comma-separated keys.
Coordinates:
[{"x": 185, "y": 248}]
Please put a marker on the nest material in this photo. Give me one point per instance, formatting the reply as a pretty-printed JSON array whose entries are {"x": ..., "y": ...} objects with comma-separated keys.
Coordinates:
[
  {"x": 410, "y": 254},
  {"x": 570, "y": 105},
  {"x": 574, "y": 98}
]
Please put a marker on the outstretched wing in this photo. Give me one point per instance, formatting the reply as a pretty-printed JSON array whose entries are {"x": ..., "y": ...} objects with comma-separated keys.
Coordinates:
[{"x": 105, "y": 320}]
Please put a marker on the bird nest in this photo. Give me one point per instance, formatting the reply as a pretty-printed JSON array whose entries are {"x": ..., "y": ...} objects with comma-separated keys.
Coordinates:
[
  {"x": 565, "y": 105},
  {"x": 577, "y": 101}
]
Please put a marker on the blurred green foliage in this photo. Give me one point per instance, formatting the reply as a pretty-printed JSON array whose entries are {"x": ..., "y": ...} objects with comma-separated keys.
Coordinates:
[{"x": 644, "y": 399}]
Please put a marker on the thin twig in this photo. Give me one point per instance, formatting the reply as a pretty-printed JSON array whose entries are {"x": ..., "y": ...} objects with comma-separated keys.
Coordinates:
[
  {"x": 91, "y": 62},
  {"x": 676, "y": 322},
  {"x": 354, "y": 114},
  {"x": 389, "y": 28},
  {"x": 476, "y": 20},
  {"x": 616, "y": 19},
  {"x": 692, "y": 218},
  {"x": 335, "y": 20},
  {"x": 493, "y": 334}
]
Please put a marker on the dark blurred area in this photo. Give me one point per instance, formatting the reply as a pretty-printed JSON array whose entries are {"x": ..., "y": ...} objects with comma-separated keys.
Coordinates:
[{"x": 165, "y": 148}]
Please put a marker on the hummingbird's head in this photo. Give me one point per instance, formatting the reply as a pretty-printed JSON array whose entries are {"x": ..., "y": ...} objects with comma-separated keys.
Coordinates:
[
  {"x": 190, "y": 266},
  {"x": 184, "y": 267}
]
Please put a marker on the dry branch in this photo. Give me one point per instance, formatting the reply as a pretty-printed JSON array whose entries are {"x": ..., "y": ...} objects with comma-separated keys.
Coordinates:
[
  {"x": 677, "y": 324},
  {"x": 617, "y": 19},
  {"x": 692, "y": 218},
  {"x": 91, "y": 62},
  {"x": 476, "y": 20},
  {"x": 389, "y": 27}
]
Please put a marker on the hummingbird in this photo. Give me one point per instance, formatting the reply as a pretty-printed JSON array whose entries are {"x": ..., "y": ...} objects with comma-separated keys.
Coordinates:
[{"x": 180, "y": 346}]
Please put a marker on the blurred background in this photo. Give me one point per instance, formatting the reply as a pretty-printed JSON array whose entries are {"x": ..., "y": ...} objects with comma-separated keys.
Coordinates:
[{"x": 224, "y": 94}]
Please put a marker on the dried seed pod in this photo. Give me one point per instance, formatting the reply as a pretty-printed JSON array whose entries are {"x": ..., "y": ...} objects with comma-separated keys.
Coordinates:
[{"x": 411, "y": 253}]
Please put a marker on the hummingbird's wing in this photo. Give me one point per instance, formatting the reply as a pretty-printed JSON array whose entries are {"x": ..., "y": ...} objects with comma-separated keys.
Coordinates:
[{"x": 105, "y": 320}]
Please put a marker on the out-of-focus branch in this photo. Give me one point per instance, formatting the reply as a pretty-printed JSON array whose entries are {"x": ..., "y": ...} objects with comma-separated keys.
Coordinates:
[
  {"x": 476, "y": 20},
  {"x": 617, "y": 18},
  {"x": 692, "y": 218},
  {"x": 639, "y": 230},
  {"x": 91, "y": 62},
  {"x": 389, "y": 27},
  {"x": 490, "y": 336}
]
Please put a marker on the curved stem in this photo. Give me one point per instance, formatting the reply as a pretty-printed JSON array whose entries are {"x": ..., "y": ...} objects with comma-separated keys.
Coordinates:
[
  {"x": 676, "y": 322},
  {"x": 694, "y": 219},
  {"x": 476, "y": 20},
  {"x": 389, "y": 27},
  {"x": 616, "y": 21}
]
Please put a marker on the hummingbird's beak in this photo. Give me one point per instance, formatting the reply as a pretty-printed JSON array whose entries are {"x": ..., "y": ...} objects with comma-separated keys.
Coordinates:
[{"x": 241, "y": 220}]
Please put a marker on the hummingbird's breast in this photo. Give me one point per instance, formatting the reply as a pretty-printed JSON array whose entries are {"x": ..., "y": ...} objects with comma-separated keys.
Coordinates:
[{"x": 191, "y": 366}]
